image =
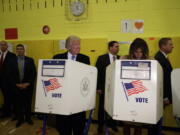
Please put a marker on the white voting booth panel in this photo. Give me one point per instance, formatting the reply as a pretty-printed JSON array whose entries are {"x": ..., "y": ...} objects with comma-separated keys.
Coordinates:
[
  {"x": 134, "y": 91},
  {"x": 175, "y": 77},
  {"x": 65, "y": 87}
]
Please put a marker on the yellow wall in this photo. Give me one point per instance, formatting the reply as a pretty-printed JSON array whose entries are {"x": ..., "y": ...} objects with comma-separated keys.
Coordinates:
[
  {"x": 161, "y": 19},
  {"x": 103, "y": 23}
]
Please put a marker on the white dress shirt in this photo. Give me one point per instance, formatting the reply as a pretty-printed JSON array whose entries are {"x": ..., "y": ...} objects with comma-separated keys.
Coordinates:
[
  {"x": 70, "y": 56},
  {"x": 164, "y": 54},
  {"x": 111, "y": 57},
  {"x": 5, "y": 53}
]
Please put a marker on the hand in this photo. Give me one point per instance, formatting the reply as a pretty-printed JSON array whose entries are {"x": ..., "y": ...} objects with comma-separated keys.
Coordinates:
[
  {"x": 25, "y": 85},
  {"x": 22, "y": 86},
  {"x": 99, "y": 91},
  {"x": 19, "y": 85}
]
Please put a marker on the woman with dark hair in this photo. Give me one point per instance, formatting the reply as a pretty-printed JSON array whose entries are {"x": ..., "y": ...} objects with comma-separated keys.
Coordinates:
[{"x": 138, "y": 51}]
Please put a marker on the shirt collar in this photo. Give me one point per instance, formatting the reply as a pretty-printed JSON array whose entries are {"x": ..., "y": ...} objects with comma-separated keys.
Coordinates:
[
  {"x": 110, "y": 55},
  {"x": 20, "y": 57},
  {"x": 165, "y": 55},
  {"x": 70, "y": 54},
  {"x": 4, "y": 52}
]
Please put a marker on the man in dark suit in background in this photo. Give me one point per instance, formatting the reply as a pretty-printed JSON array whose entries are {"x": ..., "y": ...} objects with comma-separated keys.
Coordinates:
[
  {"x": 102, "y": 62},
  {"x": 8, "y": 73},
  {"x": 165, "y": 47},
  {"x": 76, "y": 122},
  {"x": 25, "y": 85}
]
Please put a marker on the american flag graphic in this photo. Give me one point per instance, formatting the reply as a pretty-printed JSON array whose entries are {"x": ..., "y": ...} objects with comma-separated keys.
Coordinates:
[
  {"x": 134, "y": 87},
  {"x": 51, "y": 84}
]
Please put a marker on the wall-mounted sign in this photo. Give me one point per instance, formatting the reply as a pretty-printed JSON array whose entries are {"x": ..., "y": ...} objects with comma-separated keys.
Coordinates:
[
  {"x": 138, "y": 26},
  {"x": 132, "y": 26},
  {"x": 11, "y": 33},
  {"x": 126, "y": 26}
]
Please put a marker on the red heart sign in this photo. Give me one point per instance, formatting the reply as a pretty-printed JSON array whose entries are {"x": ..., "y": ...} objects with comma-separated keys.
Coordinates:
[{"x": 138, "y": 25}]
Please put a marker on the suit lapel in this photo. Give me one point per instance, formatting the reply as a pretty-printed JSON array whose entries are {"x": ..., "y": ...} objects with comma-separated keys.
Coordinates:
[
  {"x": 166, "y": 60},
  {"x": 78, "y": 57},
  {"x": 25, "y": 63},
  {"x": 118, "y": 56},
  {"x": 65, "y": 55},
  {"x": 7, "y": 56},
  {"x": 108, "y": 59}
]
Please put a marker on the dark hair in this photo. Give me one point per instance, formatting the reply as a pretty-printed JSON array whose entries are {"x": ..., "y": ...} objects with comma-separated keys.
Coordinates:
[
  {"x": 139, "y": 43},
  {"x": 20, "y": 45},
  {"x": 111, "y": 43},
  {"x": 163, "y": 41}
]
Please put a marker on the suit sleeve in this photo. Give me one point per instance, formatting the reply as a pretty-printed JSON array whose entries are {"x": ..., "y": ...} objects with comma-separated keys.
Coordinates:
[
  {"x": 33, "y": 71},
  {"x": 88, "y": 60},
  {"x": 84, "y": 59},
  {"x": 99, "y": 66},
  {"x": 55, "y": 57},
  {"x": 165, "y": 77}
]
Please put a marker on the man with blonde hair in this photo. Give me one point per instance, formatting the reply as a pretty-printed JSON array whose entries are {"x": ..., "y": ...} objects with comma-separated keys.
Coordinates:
[{"x": 66, "y": 124}]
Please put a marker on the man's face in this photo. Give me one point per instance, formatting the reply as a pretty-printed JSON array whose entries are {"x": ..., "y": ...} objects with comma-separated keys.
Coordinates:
[
  {"x": 20, "y": 51},
  {"x": 114, "y": 49},
  {"x": 168, "y": 47},
  {"x": 75, "y": 47},
  {"x": 3, "y": 46}
]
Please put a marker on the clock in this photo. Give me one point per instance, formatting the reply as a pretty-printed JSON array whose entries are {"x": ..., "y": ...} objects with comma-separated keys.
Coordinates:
[{"x": 77, "y": 8}]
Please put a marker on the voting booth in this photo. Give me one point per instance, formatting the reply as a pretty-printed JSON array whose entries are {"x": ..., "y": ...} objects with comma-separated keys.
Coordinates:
[
  {"x": 175, "y": 77},
  {"x": 65, "y": 87},
  {"x": 134, "y": 91}
]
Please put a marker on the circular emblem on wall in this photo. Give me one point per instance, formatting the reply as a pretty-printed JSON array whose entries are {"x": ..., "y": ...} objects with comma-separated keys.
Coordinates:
[
  {"x": 77, "y": 8},
  {"x": 46, "y": 29},
  {"x": 85, "y": 86}
]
